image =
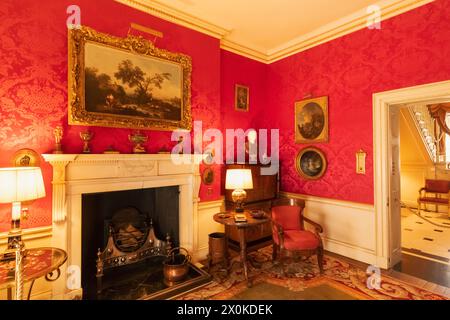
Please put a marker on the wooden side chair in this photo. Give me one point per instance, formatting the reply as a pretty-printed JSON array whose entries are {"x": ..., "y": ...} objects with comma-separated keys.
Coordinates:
[
  {"x": 289, "y": 234},
  {"x": 435, "y": 192}
]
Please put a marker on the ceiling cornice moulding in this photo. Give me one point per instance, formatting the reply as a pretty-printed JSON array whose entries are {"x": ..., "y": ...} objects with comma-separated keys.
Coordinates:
[
  {"x": 176, "y": 16},
  {"x": 342, "y": 27},
  {"x": 245, "y": 51},
  {"x": 331, "y": 31}
]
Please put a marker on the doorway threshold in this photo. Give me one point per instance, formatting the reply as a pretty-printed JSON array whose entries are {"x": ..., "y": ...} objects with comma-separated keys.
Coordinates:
[{"x": 426, "y": 269}]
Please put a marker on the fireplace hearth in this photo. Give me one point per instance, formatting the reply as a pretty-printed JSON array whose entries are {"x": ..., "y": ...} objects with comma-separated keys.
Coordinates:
[
  {"x": 124, "y": 228},
  {"x": 130, "y": 241},
  {"x": 145, "y": 281},
  {"x": 139, "y": 274}
]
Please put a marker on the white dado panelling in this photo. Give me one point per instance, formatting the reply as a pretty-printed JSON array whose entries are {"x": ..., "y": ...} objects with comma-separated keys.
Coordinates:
[
  {"x": 207, "y": 225},
  {"x": 349, "y": 228}
]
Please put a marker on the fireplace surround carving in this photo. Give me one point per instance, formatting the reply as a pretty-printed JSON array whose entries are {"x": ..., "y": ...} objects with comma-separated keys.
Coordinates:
[{"x": 78, "y": 174}]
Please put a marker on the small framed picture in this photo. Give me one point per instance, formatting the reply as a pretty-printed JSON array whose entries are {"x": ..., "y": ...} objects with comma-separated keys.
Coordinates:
[
  {"x": 241, "y": 98},
  {"x": 208, "y": 176}
]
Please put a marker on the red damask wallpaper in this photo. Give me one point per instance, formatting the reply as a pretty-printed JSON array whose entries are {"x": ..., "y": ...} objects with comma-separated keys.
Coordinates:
[
  {"x": 410, "y": 49},
  {"x": 33, "y": 83}
]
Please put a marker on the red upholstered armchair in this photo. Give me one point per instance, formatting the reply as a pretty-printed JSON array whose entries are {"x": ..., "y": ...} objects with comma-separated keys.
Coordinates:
[
  {"x": 289, "y": 234},
  {"x": 441, "y": 194}
]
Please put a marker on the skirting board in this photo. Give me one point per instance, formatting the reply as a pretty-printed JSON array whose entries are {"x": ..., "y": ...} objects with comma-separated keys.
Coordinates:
[{"x": 349, "y": 227}]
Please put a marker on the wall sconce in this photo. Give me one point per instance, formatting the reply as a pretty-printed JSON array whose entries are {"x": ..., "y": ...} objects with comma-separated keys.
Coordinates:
[{"x": 361, "y": 162}]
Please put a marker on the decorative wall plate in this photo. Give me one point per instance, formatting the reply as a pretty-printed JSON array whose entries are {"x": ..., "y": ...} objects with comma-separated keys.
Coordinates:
[{"x": 26, "y": 158}]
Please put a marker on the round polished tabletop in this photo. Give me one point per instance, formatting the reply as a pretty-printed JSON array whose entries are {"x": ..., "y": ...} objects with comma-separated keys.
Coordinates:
[
  {"x": 37, "y": 263},
  {"x": 227, "y": 218}
]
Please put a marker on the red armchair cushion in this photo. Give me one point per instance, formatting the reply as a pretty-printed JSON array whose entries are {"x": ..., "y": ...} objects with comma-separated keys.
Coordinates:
[
  {"x": 299, "y": 240},
  {"x": 287, "y": 216}
]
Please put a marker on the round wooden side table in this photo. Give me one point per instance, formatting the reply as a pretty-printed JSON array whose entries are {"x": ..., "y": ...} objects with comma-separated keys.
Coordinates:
[
  {"x": 227, "y": 219},
  {"x": 38, "y": 262}
]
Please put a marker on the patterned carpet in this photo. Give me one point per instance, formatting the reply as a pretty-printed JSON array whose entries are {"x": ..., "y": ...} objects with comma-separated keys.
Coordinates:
[{"x": 303, "y": 282}]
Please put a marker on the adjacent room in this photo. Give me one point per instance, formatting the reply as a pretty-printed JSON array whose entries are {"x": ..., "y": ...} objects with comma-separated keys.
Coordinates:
[{"x": 425, "y": 218}]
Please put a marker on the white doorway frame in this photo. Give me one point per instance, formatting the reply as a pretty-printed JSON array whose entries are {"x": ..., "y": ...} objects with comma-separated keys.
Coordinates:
[{"x": 381, "y": 169}]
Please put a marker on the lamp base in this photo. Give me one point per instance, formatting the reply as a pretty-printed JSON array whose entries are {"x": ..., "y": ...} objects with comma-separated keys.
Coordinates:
[
  {"x": 239, "y": 196},
  {"x": 14, "y": 242}
]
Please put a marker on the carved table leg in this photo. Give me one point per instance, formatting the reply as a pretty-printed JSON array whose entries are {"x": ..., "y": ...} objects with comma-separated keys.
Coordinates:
[
  {"x": 243, "y": 246},
  {"x": 9, "y": 293},
  {"x": 31, "y": 289}
]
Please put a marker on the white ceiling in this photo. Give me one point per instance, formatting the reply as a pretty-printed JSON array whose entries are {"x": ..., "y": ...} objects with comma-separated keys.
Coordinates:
[{"x": 265, "y": 25}]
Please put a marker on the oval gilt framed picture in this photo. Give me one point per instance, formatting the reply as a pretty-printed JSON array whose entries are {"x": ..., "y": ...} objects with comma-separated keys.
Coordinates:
[
  {"x": 208, "y": 176},
  {"x": 311, "y": 163},
  {"x": 311, "y": 120}
]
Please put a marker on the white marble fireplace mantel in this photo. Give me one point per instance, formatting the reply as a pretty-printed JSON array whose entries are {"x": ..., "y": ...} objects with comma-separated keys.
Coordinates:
[{"x": 78, "y": 174}]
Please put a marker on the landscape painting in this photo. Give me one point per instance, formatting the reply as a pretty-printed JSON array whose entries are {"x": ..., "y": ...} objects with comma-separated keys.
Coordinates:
[
  {"x": 128, "y": 83},
  {"x": 311, "y": 120},
  {"x": 122, "y": 83}
]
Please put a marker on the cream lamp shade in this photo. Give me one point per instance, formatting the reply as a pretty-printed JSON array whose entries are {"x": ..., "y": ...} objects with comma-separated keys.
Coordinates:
[
  {"x": 20, "y": 184},
  {"x": 239, "y": 179}
]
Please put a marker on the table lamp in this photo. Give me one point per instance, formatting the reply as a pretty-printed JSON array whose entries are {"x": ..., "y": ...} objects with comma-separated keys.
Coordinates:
[
  {"x": 17, "y": 185},
  {"x": 238, "y": 180}
]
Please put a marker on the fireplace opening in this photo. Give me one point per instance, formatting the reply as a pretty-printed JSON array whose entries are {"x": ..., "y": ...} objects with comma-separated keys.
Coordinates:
[{"x": 126, "y": 218}]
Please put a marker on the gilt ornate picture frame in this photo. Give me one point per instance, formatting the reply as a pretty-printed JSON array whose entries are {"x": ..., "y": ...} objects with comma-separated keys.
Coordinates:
[
  {"x": 127, "y": 83},
  {"x": 311, "y": 163},
  {"x": 311, "y": 120}
]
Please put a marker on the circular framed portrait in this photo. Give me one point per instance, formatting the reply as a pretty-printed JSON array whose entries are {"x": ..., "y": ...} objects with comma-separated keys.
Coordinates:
[
  {"x": 26, "y": 158},
  {"x": 208, "y": 176},
  {"x": 311, "y": 163}
]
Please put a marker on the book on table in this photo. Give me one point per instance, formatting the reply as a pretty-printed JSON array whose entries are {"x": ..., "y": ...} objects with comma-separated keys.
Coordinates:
[{"x": 240, "y": 217}]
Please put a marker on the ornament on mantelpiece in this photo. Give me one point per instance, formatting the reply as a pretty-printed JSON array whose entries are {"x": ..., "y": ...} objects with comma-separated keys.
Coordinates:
[
  {"x": 58, "y": 133},
  {"x": 86, "y": 136},
  {"x": 138, "y": 139},
  {"x": 180, "y": 144}
]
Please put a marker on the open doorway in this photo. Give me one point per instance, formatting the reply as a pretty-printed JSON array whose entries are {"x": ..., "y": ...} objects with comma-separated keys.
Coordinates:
[
  {"x": 424, "y": 151},
  {"x": 387, "y": 180}
]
